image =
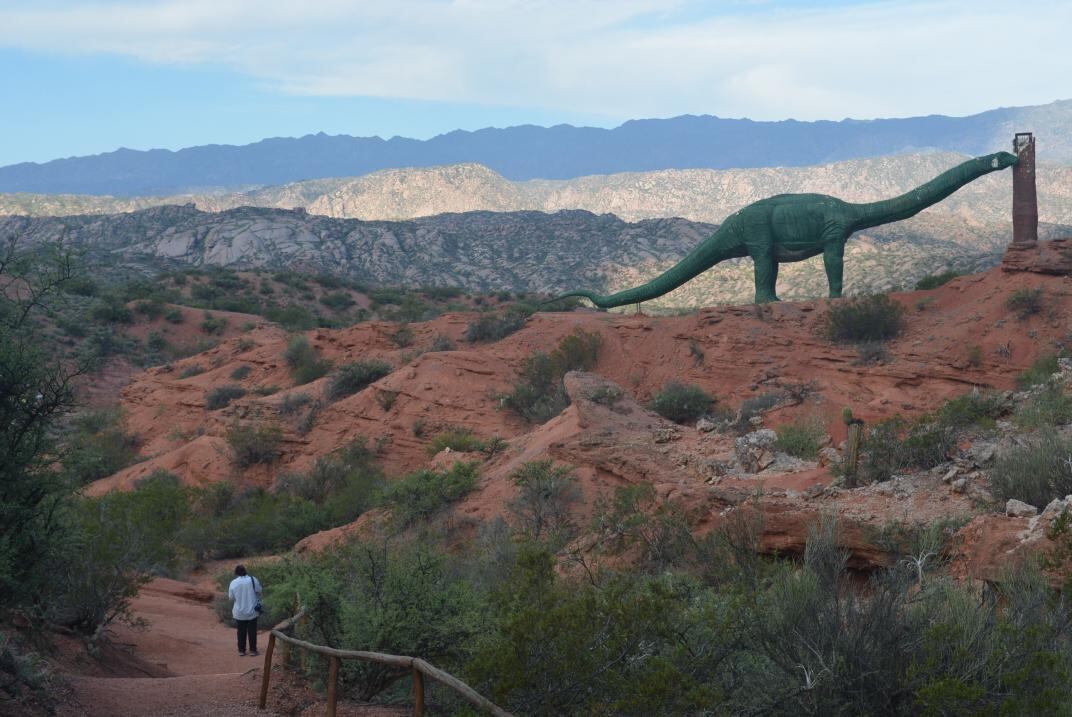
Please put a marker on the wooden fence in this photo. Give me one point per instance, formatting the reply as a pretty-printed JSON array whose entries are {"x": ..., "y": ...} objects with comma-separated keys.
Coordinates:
[{"x": 418, "y": 668}]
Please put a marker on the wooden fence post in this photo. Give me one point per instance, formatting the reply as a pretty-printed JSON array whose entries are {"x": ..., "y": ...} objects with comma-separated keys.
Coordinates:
[
  {"x": 267, "y": 671},
  {"x": 418, "y": 693},
  {"x": 333, "y": 685}
]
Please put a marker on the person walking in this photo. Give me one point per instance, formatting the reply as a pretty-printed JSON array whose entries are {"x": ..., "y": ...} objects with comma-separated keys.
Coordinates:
[{"x": 245, "y": 590}]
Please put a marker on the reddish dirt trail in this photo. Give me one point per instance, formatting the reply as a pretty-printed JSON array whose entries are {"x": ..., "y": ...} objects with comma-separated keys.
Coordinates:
[
  {"x": 186, "y": 664},
  {"x": 185, "y": 641}
]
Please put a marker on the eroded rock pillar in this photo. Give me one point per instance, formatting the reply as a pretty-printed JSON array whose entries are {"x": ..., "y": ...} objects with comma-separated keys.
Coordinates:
[{"x": 1024, "y": 198}]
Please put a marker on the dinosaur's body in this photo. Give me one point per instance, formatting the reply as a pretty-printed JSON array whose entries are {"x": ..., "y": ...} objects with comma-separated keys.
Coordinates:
[{"x": 794, "y": 227}]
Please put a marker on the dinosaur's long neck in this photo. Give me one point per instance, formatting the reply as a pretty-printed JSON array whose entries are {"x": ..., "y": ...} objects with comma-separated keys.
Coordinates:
[{"x": 911, "y": 203}]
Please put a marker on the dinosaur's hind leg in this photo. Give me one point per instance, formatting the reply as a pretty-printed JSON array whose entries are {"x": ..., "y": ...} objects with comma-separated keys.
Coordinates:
[{"x": 766, "y": 269}]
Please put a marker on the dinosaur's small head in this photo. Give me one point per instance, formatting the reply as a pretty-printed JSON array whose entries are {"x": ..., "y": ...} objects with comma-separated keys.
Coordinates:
[{"x": 1001, "y": 160}]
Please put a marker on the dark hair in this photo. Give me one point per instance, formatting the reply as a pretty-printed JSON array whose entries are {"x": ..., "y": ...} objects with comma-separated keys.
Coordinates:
[{"x": 240, "y": 570}]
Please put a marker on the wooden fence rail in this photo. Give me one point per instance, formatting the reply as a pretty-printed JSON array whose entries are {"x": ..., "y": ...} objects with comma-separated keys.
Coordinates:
[{"x": 418, "y": 668}]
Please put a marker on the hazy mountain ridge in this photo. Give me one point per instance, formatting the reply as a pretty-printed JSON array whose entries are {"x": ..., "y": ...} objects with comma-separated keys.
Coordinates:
[
  {"x": 696, "y": 194},
  {"x": 558, "y": 152},
  {"x": 486, "y": 251}
]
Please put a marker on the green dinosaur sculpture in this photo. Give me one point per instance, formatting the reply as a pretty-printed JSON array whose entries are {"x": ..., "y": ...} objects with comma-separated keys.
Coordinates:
[{"x": 794, "y": 227}]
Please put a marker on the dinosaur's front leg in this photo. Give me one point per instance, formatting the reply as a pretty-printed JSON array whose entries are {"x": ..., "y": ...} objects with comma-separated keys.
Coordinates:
[
  {"x": 834, "y": 261},
  {"x": 766, "y": 275}
]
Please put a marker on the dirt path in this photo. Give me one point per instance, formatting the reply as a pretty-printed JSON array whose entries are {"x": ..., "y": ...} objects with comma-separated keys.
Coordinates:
[
  {"x": 197, "y": 658},
  {"x": 185, "y": 663}
]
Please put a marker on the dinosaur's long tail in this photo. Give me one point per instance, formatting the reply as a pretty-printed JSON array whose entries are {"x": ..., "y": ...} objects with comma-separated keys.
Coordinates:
[{"x": 705, "y": 255}]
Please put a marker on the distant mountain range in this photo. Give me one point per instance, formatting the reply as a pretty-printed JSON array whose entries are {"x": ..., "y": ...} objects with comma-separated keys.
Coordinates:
[
  {"x": 560, "y": 152},
  {"x": 531, "y": 251},
  {"x": 704, "y": 195}
]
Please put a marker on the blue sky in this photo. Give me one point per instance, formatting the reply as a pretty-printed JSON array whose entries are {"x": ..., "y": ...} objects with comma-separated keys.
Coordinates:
[{"x": 88, "y": 77}]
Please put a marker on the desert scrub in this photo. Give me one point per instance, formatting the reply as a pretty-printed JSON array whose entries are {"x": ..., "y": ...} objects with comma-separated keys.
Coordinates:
[
  {"x": 420, "y": 495},
  {"x": 222, "y": 396},
  {"x": 403, "y": 337},
  {"x": 254, "y": 444},
  {"x": 866, "y": 318},
  {"x": 1025, "y": 303},
  {"x": 98, "y": 446},
  {"x": 605, "y": 395},
  {"x": 353, "y": 377},
  {"x": 492, "y": 327},
  {"x": 1043, "y": 368},
  {"x": 241, "y": 372},
  {"x": 294, "y": 402},
  {"x": 1047, "y": 406},
  {"x": 304, "y": 361},
  {"x": 194, "y": 369},
  {"x": 974, "y": 408},
  {"x": 540, "y": 395},
  {"x": 802, "y": 438},
  {"x": 935, "y": 280},
  {"x": 871, "y": 353},
  {"x": 456, "y": 438},
  {"x": 897, "y": 444},
  {"x": 213, "y": 324},
  {"x": 681, "y": 402},
  {"x": 1035, "y": 473},
  {"x": 546, "y": 493}
]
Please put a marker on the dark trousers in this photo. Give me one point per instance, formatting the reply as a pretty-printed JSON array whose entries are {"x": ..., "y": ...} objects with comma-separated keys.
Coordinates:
[{"x": 247, "y": 629}]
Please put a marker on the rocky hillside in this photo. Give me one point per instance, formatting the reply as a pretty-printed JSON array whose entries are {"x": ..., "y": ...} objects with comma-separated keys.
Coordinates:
[
  {"x": 518, "y": 251},
  {"x": 702, "y": 195},
  {"x": 960, "y": 336}
]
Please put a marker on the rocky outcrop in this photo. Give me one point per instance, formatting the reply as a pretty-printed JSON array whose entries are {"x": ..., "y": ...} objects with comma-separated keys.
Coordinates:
[{"x": 1044, "y": 257}]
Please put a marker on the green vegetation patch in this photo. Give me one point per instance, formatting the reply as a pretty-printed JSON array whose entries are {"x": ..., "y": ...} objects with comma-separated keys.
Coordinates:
[{"x": 862, "y": 319}]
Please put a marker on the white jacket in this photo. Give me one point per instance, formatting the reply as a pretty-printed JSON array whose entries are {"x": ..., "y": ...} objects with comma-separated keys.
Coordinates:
[{"x": 245, "y": 590}]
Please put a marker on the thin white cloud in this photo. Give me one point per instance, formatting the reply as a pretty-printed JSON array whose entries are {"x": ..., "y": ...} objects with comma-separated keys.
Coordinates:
[{"x": 625, "y": 58}]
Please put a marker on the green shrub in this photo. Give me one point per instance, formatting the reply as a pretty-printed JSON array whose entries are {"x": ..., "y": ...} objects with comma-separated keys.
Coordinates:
[
  {"x": 867, "y": 318},
  {"x": 150, "y": 309},
  {"x": 337, "y": 301},
  {"x": 974, "y": 408},
  {"x": 304, "y": 361},
  {"x": 292, "y": 317},
  {"x": 935, "y": 280},
  {"x": 118, "y": 541},
  {"x": 456, "y": 438},
  {"x": 111, "y": 310},
  {"x": 397, "y": 599},
  {"x": 254, "y": 444},
  {"x": 870, "y": 353},
  {"x": 294, "y": 402},
  {"x": 222, "y": 396},
  {"x": 1035, "y": 473},
  {"x": 353, "y": 377},
  {"x": 155, "y": 341},
  {"x": 896, "y": 444},
  {"x": 419, "y": 496},
  {"x": 1048, "y": 406},
  {"x": 174, "y": 315},
  {"x": 241, "y": 372},
  {"x": 213, "y": 324},
  {"x": 540, "y": 394},
  {"x": 1025, "y": 303},
  {"x": 605, "y": 395},
  {"x": 442, "y": 343},
  {"x": 194, "y": 369},
  {"x": 802, "y": 438},
  {"x": 546, "y": 493},
  {"x": 681, "y": 402},
  {"x": 492, "y": 327},
  {"x": 98, "y": 447},
  {"x": 403, "y": 337},
  {"x": 1043, "y": 368}
]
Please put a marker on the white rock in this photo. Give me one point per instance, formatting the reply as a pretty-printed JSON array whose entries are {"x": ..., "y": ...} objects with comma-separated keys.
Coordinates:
[{"x": 1019, "y": 509}]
